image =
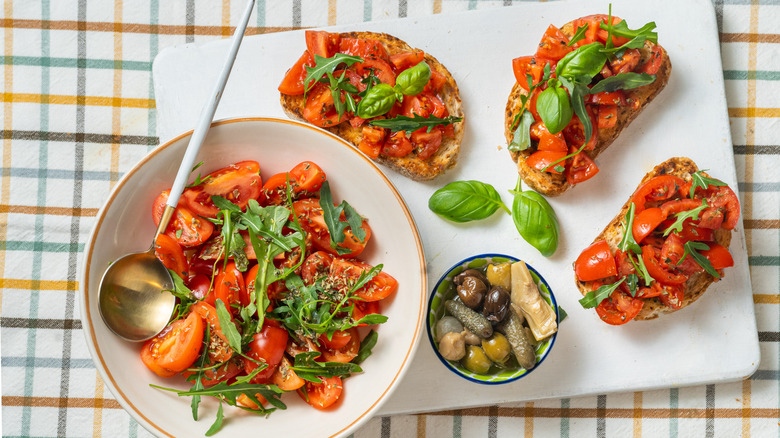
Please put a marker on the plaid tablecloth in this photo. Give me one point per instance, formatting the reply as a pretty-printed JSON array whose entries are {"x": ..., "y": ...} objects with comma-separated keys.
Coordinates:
[{"x": 79, "y": 111}]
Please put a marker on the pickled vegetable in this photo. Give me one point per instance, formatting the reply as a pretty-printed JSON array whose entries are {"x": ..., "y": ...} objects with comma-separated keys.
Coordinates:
[
  {"x": 497, "y": 348},
  {"x": 500, "y": 275},
  {"x": 496, "y": 304},
  {"x": 446, "y": 325},
  {"x": 512, "y": 327},
  {"x": 476, "y": 360},
  {"x": 527, "y": 299},
  {"x": 452, "y": 346},
  {"x": 470, "y": 319}
]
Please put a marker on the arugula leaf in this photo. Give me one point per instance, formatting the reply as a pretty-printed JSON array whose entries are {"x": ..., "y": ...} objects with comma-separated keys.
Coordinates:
[
  {"x": 183, "y": 293},
  {"x": 308, "y": 369},
  {"x": 337, "y": 227},
  {"x": 197, "y": 376},
  {"x": 639, "y": 266},
  {"x": 595, "y": 297},
  {"x": 632, "y": 280},
  {"x": 623, "y": 81},
  {"x": 699, "y": 180},
  {"x": 683, "y": 215},
  {"x": 227, "y": 326},
  {"x": 644, "y": 33},
  {"x": 366, "y": 345},
  {"x": 578, "y": 35},
  {"x": 198, "y": 181},
  {"x": 323, "y": 66},
  {"x": 691, "y": 248},
  {"x": 217, "y": 425},
  {"x": 409, "y": 124},
  {"x": 627, "y": 243}
]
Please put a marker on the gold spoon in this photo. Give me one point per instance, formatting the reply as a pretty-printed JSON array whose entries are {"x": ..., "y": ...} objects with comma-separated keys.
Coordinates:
[{"x": 134, "y": 300}]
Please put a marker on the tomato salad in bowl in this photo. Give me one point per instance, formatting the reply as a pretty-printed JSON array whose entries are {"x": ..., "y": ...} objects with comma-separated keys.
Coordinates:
[{"x": 271, "y": 293}]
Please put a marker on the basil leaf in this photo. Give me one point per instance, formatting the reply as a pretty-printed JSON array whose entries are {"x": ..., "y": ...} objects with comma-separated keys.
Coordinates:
[
  {"x": 587, "y": 61},
  {"x": 690, "y": 248},
  {"x": 578, "y": 35},
  {"x": 644, "y": 33},
  {"x": 622, "y": 81},
  {"x": 522, "y": 138},
  {"x": 595, "y": 297},
  {"x": 535, "y": 220},
  {"x": 377, "y": 102},
  {"x": 412, "y": 80},
  {"x": 464, "y": 201},
  {"x": 323, "y": 66},
  {"x": 410, "y": 124},
  {"x": 699, "y": 180},
  {"x": 554, "y": 108}
]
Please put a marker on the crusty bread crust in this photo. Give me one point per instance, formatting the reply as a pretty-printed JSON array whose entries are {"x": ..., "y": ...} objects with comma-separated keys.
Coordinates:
[
  {"x": 698, "y": 283},
  {"x": 410, "y": 165},
  {"x": 554, "y": 184}
]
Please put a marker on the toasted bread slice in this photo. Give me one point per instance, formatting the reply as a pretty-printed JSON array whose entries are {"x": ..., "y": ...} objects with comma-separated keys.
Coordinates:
[
  {"x": 554, "y": 184},
  {"x": 411, "y": 165},
  {"x": 697, "y": 284}
]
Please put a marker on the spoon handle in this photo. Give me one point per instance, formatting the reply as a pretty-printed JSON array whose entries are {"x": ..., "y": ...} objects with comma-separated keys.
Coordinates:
[{"x": 204, "y": 122}]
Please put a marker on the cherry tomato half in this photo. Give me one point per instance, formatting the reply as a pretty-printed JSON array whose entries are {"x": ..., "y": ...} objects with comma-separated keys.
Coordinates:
[
  {"x": 170, "y": 253},
  {"x": 185, "y": 227},
  {"x": 345, "y": 353},
  {"x": 619, "y": 308},
  {"x": 647, "y": 221},
  {"x": 266, "y": 346},
  {"x": 175, "y": 348},
  {"x": 292, "y": 84},
  {"x": 657, "y": 188},
  {"x": 238, "y": 183},
  {"x": 346, "y": 272},
  {"x": 651, "y": 256},
  {"x": 322, "y": 395},
  {"x": 312, "y": 221},
  {"x": 595, "y": 262}
]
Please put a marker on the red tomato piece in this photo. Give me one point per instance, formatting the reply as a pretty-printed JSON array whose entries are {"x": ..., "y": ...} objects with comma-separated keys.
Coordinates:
[
  {"x": 322, "y": 43},
  {"x": 671, "y": 295},
  {"x": 654, "y": 62},
  {"x": 184, "y": 227},
  {"x": 625, "y": 63},
  {"x": 424, "y": 105},
  {"x": 617, "y": 97},
  {"x": 595, "y": 262},
  {"x": 381, "y": 69},
  {"x": 372, "y": 141},
  {"x": 647, "y": 221},
  {"x": 230, "y": 288},
  {"x": 346, "y": 352},
  {"x": 525, "y": 65},
  {"x": 553, "y": 45},
  {"x": 238, "y": 183},
  {"x": 308, "y": 177},
  {"x": 718, "y": 255},
  {"x": 680, "y": 205},
  {"x": 650, "y": 256},
  {"x": 398, "y": 145},
  {"x": 176, "y": 347},
  {"x": 319, "y": 108},
  {"x": 607, "y": 116},
  {"x": 672, "y": 251},
  {"x": 170, "y": 253},
  {"x": 435, "y": 83},
  {"x": 322, "y": 395},
  {"x": 551, "y": 142},
  {"x": 726, "y": 200},
  {"x": 292, "y": 84},
  {"x": 285, "y": 377},
  {"x": 266, "y": 346},
  {"x": 619, "y": 308},
  {"x": 337, "y": 341},
  {"x": 312, "y": 221},
  {"x": 315, "y": 266},
  {"x": 344, "y": 273},
  {"x": 655, "y": 189},
  {"x": 541, "y": 159},
  {"x": 624, "y": 265},
  {"x": 427, "y": 143},
  {"x": 402, "y": 61},
  {"x": 219, "y": 348},
  {"x": 580, "y": 167},
  {"x": 362, "y": 309},
  {"x": 574, "y": 132},
  {"x": 365, "y": 48}
]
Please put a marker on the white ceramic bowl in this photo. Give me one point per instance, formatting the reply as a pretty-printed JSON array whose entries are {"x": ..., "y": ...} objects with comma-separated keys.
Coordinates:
[{"x": 124, "y": 225}]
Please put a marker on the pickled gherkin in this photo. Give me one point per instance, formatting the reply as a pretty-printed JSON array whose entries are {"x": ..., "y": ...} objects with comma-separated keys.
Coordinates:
[{"x": 475, "y": 322}]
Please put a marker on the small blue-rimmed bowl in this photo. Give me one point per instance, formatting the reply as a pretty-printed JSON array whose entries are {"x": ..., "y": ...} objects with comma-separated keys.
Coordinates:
[{"x": 445, "y": 290}]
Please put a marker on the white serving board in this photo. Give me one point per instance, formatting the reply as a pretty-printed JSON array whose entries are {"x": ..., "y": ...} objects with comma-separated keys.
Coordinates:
[{"x": 713, "y": 340}]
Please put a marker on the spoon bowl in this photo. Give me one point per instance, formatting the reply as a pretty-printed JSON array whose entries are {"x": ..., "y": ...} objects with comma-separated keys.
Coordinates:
[{"x": 134, "y": 299}]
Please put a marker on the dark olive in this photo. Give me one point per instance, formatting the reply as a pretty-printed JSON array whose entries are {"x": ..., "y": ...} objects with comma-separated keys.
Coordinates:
[
  {"x": 469, "y": 273},
  {"x": 471, "y": 291},
  {"x": 496, "y": 304}
]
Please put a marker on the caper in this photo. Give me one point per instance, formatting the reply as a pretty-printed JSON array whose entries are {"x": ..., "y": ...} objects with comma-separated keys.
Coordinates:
[
  {"x": 446, "y": 325},
  {"x": 476, "y": 361},
  {"x": 497, "y": 348},
  {"x": 471, "y": 292},
  {"x": 496, "y": 304},
  {"x": 469, "y": 273},
  {"x": 500, "y": 275}
]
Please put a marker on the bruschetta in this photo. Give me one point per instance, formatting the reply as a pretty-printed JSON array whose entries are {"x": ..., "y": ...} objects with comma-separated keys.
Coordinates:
[
  {"x": 588, "y": 70},
  {"x": 666, "y": 246},
  {"x": 397, "y": 104}
]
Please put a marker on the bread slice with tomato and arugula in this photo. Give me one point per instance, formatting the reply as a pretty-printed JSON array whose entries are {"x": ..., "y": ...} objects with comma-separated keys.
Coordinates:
[
  {"x": 397, "y": 104},
  {"x": 663, "y": 250},
  {"x": 587, "y": 81}
]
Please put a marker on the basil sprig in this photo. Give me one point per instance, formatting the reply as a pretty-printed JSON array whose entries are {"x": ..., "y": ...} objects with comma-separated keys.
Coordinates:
[
  {"x": 381, "y": 98},
  {"x": 585, "y": 61},
  {"x": 535, "y": 220},
  {"x": 554, "y": 107},
  {"x": 524, "y": 119},
  {"x": 465, "y": 201},
  {"x": 410, "y": 124}
]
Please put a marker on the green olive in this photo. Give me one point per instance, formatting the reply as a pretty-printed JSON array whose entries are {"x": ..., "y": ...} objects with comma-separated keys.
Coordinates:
[
  {"x": 500, "y": 275},
  {"x": 497, "y": 348},
  {"x": 476, "y": 361}
]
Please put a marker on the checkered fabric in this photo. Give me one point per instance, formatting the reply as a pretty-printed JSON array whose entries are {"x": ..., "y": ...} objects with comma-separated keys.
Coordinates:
[{"x": 79, "y": 111}]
